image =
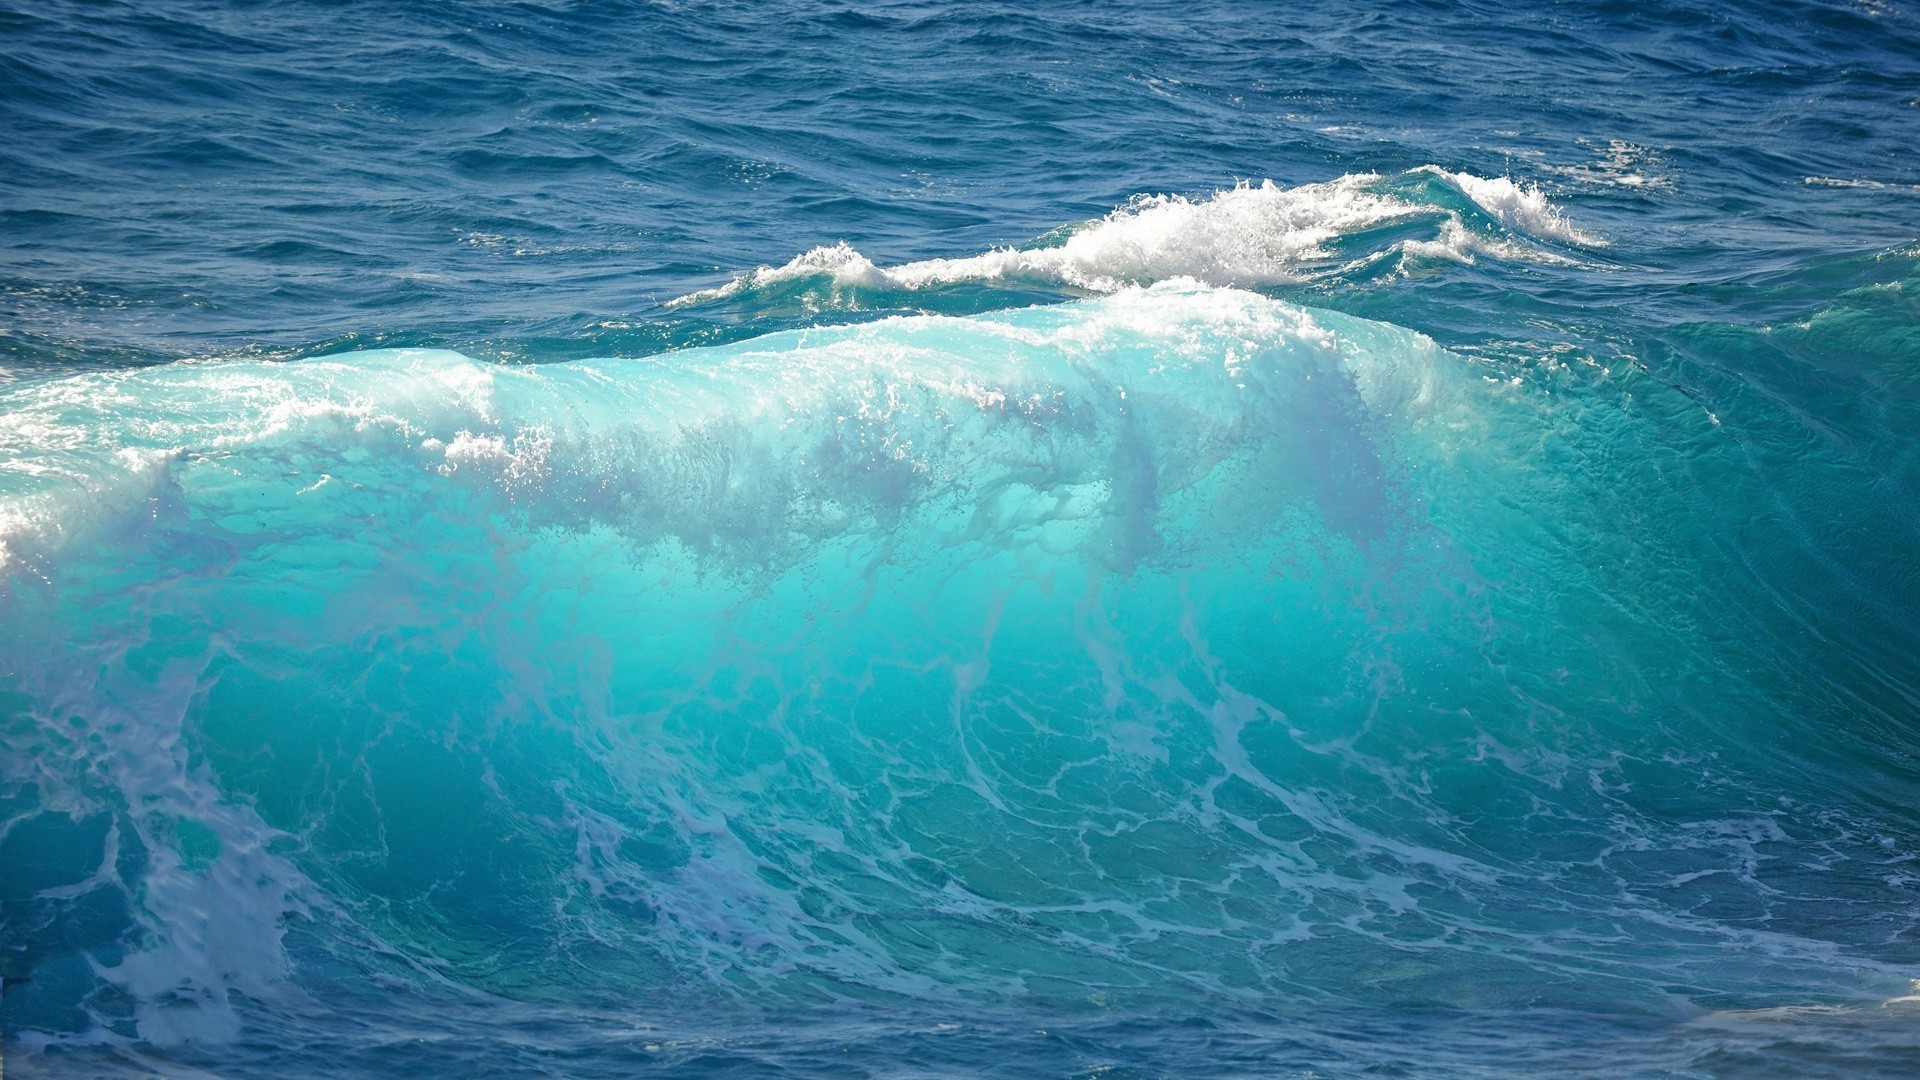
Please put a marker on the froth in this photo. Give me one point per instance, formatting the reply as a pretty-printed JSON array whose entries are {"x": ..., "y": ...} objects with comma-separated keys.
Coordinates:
[
  {"x": 1521, "y": 207},
  {"x": 1247, "y": 236}
]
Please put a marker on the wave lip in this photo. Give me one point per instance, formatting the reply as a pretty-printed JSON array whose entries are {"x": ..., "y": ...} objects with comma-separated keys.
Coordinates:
[{"x": 1245, "y": 236}]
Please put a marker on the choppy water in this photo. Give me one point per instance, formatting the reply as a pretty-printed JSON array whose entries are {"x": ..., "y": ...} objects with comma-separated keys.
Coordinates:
[{"x": 1218, "y": 540}]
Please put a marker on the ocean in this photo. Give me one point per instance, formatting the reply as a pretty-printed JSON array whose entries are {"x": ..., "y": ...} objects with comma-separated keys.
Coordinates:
[{"x": 930, "y": 539}]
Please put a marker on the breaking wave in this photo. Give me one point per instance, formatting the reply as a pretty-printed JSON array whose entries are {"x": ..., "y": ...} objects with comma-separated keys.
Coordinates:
[
  {"x": 1249, "y": 235},
  {"x": 1180, "y": 646}
]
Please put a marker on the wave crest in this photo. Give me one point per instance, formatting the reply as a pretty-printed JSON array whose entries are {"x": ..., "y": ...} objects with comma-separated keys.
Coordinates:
[{"x": 1247, "y": 236}]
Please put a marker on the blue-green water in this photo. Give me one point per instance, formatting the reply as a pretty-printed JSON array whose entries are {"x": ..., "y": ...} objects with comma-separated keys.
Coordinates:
[{"x": 1079, "y": 608}]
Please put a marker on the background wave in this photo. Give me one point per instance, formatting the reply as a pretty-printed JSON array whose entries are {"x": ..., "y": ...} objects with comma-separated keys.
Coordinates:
[{"x": 1354, "y": 227}]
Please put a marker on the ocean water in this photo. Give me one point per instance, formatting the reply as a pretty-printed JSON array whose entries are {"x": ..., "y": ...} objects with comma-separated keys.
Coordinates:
[{"x": 960, "y": 540}]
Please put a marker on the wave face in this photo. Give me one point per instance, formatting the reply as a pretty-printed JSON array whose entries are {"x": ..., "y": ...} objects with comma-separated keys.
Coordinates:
[{"x": 1094, "y": 661}]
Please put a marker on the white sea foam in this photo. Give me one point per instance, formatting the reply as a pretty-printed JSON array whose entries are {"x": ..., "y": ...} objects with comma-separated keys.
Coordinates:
[
  {"x": 1248, "y": 235},
  {"x": 1621, "y": 164},
  {"x": 1457, "y": 243},
  {"x": 1872, "y": 185},
  {"x": 1520, "y": 207}
]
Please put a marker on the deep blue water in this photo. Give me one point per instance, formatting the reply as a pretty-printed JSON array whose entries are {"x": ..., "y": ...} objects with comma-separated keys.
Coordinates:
[{"x": 1218, "y": 540}]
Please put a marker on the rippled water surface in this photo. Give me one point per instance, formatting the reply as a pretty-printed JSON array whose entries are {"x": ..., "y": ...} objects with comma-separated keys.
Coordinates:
[{"x": 1151, "y": 540}]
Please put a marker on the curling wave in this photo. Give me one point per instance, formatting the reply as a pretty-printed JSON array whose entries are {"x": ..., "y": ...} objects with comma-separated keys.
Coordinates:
[{"x": 1178, "y": 643}]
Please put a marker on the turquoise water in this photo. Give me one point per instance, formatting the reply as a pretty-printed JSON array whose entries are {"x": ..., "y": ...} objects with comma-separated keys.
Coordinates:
[{"x": 1080, "y": 607}]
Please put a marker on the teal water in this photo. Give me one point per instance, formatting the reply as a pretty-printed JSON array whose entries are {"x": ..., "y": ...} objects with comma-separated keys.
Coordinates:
[{"x": 1433, "y": 615}]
